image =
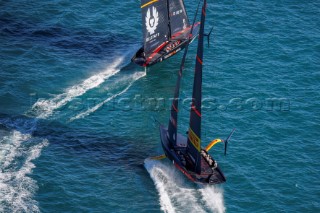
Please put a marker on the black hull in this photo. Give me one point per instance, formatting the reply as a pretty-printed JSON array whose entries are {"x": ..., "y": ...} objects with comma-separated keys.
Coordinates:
[
  {"x": 164, "y": 51},
  {"x": 178, "y": 155},
  {"x": 140, "y": 60}
]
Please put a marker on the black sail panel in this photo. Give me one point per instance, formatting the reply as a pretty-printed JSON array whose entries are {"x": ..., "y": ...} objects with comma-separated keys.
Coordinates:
[
  {"x": 178, "y": 16},
  {"x": 154, "y": 23},
  {"x": 194, "y": 132},
  {"x": 173, "y": 122}
]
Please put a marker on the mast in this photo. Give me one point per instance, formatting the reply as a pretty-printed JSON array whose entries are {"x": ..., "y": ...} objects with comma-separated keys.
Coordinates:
[
  {"x": 168, "y": 9},
  {"x": 194, "y": 133},
  {"x": 173, "y": 122}
]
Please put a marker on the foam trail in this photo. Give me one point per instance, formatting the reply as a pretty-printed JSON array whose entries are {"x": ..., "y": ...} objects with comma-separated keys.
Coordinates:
[
  {"x": 45, "y": 108},
  {"x": 160, "y": 181},
  {"x": 9, "y": 150},
  {"x": 16, "y": 188},
  {"x": 175, "y": 195},
  {"x": 136, "y": 76},
  {"x": 213, "y": 198}
]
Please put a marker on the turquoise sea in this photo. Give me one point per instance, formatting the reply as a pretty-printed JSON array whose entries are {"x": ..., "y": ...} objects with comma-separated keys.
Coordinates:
[{"x": 78, "y": 120}]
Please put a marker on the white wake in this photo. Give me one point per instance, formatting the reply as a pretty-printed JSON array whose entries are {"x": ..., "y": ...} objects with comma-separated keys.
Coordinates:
[
  {"x": 16, "y": 188},
  {"x": 45, "y": 108},
  {"x": 132, "y": 78},
  {"x": 176, "y": 194}
]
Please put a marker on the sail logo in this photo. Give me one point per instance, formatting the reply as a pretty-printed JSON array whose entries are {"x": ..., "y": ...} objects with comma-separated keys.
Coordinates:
[
  {"x": 194, "y": 139},
  {"x": 184, "y": 24},
  {"x": 152, "y": 20}
]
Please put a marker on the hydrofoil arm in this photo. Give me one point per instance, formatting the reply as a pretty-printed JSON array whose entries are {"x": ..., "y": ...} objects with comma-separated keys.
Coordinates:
[
  {"x": 212, "y": 143},
  {"x": 159, "y": 157}
]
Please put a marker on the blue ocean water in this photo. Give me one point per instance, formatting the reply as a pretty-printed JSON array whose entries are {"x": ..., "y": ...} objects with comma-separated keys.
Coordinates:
[{"x": 77, "y": 119}]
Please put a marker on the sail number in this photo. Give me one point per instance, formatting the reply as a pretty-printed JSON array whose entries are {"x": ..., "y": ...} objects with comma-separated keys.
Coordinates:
[
  {"x": 195, "y": 140},
  {"x": 152, "y": 37},
  {"x": 177, "y": 12}
]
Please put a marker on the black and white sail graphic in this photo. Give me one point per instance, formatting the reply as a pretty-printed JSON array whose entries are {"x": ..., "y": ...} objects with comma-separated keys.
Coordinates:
[
  {"x": 194, "y": 132},
  {"x": 178, "y": 16},
  {"x": 155, "y": 23}
]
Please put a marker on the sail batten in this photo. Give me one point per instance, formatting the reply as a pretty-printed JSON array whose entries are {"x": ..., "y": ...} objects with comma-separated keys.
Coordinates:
[{"x": 194, "y": 132}]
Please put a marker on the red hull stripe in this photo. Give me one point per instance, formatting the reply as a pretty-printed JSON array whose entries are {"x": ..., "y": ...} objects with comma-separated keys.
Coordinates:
[
  {"x": 196, "y": 111},
  {"x": 196, "y": 24},
  {"x": 163, "y": 44},
  {"x": 184, "y": 172},
  {"x": 156, "y": 51},
  {"x": 180, "y": 32}
]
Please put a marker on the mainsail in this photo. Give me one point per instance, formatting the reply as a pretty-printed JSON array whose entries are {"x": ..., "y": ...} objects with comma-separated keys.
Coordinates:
[
  {"x": 155, "y": 19},
  {"x": 162, "y": 19},
  {"x": 194, "y": 132},
  {"x": 177, "y": 16},
  {"x": 173, "y": 122}
]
